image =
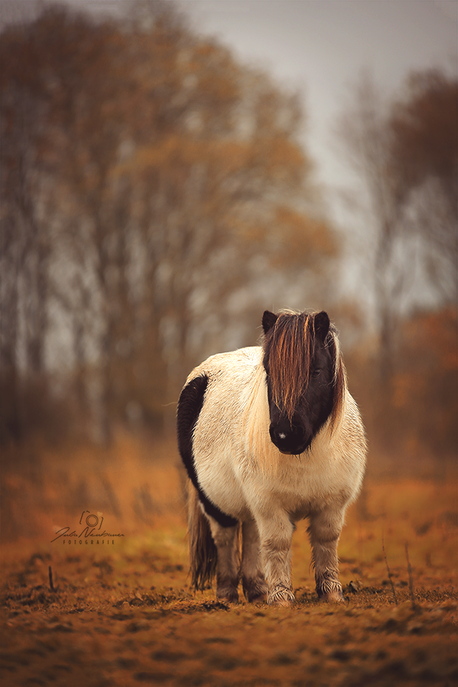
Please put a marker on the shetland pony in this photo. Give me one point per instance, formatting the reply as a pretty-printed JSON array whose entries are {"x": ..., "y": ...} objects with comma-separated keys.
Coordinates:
[{"x": 270, "y": 435}]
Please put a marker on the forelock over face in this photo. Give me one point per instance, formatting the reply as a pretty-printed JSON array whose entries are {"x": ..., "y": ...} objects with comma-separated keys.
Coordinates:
[
  {"x": 305, "y": 377},
  {"x": 288, "y": 350}
]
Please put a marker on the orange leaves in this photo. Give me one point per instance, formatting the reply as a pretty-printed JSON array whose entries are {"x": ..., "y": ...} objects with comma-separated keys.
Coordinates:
[
  {"x": 425, "y": 383},
  {"x": 411, "y": 418},
  {"x": 280, "y": 160},
  {"x": 299, "y": 240},
  {"x": 406, "y": 386},
  {"x": 181, "y": 151},
  {"x": 434, "y": 335}
]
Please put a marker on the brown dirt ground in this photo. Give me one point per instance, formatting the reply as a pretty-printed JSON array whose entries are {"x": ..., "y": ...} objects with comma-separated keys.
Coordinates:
[{"x": 123, "y": 614}]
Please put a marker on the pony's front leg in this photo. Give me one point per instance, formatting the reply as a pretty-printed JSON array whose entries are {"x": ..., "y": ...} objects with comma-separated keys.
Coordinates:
[
  {"x": 228, "y": 565},
  {"x": 324, "y": 531},
  {"x": 253, "y": 581},
  {"x": 276, "y": 534}
]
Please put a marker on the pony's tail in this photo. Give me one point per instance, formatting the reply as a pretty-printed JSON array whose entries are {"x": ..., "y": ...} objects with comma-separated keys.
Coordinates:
[{"x": 202, "y": 549}]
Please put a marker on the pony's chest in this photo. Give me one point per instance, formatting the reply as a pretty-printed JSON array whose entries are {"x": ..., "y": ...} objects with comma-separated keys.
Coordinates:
[{"x": 299, "y": 489}]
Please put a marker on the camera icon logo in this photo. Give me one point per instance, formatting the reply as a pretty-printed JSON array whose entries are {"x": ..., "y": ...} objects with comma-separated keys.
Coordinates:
[{"x": 93, "y": 521}]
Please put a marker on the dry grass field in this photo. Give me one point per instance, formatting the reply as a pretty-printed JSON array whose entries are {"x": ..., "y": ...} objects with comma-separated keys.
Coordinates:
[{"x": 120, "y": 613}]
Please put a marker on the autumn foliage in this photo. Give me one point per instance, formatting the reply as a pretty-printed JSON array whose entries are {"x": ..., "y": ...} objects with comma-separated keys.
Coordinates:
[
  {"x": 146, "y": 176},
  {"x": 426, "y": 382},
  {"x": 411, "y": 420},
  {"x": 155, "y": 200}
]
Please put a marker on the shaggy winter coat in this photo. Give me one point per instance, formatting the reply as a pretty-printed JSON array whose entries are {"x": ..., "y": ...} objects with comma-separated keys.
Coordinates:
[{"x": 229, "y": 417}]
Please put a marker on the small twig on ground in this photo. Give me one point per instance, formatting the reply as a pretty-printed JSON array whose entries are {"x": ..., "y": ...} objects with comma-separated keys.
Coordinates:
[
  {"x": 409, "y": 569},
  {"x": 51, "y": 585},
  {"x": 389, "y": 572}
]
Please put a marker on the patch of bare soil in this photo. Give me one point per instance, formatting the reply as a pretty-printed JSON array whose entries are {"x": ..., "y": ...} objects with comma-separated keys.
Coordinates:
[
  {"x": 74, "y": 612},
  {"x": 132, "y": 620}
]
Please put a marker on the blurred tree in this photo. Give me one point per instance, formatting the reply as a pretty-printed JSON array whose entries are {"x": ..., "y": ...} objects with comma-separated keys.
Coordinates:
[
  {"x": 425, "y": 397},
  {"x": 25, "y": 238},
  {"x": 157, "y": 168},
  {"x": 367, "y": 145},
  {"x": 415, "y": 432},
  {"x": 406, "y": 156},
  {"x": 425, "y": 133},
  {"x": 425, "y": 150}
]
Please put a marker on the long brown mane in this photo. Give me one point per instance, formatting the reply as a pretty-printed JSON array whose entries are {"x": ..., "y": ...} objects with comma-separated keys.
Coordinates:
[{"x": 289, "y": 348}]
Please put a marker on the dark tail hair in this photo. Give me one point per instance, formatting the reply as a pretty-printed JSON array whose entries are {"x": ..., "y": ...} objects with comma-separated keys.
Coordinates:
[{"x": 202, "y": 549}]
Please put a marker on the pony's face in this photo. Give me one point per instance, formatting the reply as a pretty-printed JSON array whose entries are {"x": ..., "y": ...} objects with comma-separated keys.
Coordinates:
[{"x": 300, "y": 378}]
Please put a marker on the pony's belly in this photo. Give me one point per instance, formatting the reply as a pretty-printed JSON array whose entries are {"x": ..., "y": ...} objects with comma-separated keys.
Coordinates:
[
  {"x": 229, "y": 500},
  {"x": 221, "y": 486}
]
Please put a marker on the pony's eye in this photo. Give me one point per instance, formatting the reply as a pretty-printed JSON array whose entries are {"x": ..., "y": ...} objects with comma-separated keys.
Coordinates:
[{"x": 316, "y": 372}]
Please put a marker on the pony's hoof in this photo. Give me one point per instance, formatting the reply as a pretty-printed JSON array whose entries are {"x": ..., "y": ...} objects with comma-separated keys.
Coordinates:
[
  {"x": 334, "y": 597},
  {"x": 285, "y": 603},
  {"x": 281, "y": 596},
  {"x": 229, "y": 595},
  {"x": 255, "y": 590}
]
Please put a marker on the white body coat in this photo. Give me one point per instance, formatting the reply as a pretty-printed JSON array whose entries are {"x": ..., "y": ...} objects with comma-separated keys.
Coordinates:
[{"x": 245, "y": 475}]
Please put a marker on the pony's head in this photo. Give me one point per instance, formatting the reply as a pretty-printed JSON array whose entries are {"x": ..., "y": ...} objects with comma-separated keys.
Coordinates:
[{"x": 305, "y": 377}]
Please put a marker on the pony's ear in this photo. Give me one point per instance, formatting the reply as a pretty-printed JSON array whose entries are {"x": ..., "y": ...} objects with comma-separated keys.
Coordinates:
[
  {"x": 268, "y": 320},
  {"x": 322, "y": 325}
]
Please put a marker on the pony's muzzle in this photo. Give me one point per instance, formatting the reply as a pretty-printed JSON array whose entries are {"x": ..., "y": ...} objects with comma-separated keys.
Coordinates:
[{"x": 289, "y": 440}]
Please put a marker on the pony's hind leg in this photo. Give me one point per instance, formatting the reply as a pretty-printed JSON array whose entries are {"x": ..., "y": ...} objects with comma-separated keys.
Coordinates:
[
  {"x": 324, "y": 530},
  {"x": 254, "y": 584},
  {"x": 228, "y": 565}
]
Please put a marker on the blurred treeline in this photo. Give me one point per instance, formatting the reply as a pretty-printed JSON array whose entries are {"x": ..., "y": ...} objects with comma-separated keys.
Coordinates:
[
  {"x": 147, "y": 180},
  {"x": 155, "y": 199},
  {"x": 405, "y": 152}
]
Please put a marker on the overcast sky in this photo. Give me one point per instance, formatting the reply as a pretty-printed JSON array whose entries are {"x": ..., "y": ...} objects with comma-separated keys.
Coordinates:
[{"x": 321, "y": 46}]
